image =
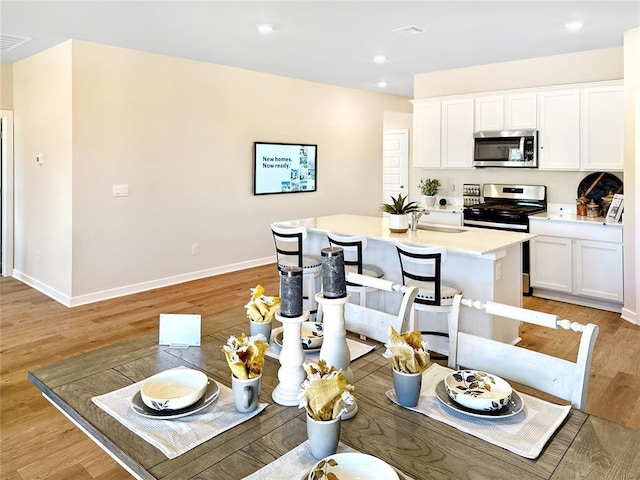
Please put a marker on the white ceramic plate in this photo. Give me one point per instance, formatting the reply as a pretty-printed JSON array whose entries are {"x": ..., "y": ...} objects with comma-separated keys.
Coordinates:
[
  {"x": 355, "y": 466},
  {"x": 174, "y": 389},
  {"x": 478, "y": 390},
  {"x": 312, "y": 336},
  {"x": 515, "y": 405},
  {"x": 210, "y": 396}
]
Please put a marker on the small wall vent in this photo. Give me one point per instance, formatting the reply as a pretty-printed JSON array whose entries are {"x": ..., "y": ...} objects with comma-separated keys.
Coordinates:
[
  {"x": 409, "y": 30},
  {"x": 9, "y": 42}
]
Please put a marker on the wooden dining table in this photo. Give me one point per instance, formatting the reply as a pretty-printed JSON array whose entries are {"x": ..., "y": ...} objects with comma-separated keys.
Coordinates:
[{"x": 584, "y": 446}]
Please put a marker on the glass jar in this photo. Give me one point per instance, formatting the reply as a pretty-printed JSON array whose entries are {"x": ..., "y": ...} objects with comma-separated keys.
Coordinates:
[{"x": 593, "y": 210}]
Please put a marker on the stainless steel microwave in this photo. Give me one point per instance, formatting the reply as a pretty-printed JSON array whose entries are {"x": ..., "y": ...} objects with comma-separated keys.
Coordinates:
[{"x": 507, "y": 148}]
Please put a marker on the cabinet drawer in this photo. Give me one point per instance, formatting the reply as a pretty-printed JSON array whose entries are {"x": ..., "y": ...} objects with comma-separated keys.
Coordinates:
[{"x": 584, "y": 231}]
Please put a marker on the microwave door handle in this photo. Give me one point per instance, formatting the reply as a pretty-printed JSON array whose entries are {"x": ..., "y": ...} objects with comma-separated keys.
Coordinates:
[{"x": 522, "y": 148}]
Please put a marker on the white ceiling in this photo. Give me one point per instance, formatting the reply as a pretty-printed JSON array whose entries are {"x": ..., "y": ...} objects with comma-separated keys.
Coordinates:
[{"x": 326, "y": 41}]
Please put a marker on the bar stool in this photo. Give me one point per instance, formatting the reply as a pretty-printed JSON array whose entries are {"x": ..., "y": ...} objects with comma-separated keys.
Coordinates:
[
  {"x": 422, "y": 267},
  {"x": 289, "y": 253},
  {"x": 354, "y": 246}
]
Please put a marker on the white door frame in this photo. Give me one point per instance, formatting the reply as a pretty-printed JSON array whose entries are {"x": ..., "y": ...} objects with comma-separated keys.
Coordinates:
[{"x": 6, "y": 117}]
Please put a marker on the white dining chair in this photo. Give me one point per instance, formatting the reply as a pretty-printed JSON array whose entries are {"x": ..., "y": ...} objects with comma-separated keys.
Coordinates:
[
  {"x": 374, "y": 324},
  {"x": 561, "y": 378}
]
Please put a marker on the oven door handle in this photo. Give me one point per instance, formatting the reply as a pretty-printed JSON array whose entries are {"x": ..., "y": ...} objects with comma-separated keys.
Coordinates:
[{"x": 496, "y": 225}]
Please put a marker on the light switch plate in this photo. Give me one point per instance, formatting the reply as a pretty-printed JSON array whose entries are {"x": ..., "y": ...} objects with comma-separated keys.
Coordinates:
[{"x": 121, "y": 190}]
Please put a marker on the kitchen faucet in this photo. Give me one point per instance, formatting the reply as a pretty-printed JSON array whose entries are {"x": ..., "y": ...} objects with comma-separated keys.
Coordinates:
[{"x": 415, "y": 218}]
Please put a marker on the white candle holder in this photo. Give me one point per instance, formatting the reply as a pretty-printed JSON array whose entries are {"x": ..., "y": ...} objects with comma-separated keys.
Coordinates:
[
  {"x": 291, "y": 374},
  {"x": 335, "y": 349}
]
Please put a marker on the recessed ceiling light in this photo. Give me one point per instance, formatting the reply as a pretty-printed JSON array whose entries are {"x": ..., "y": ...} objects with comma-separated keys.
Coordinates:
[
  {"x": 574, "y": 25},
  {"x": 264, "y": 28},
  {"x": 382, "y": 84},
  {"x": 379, "y": 58}
]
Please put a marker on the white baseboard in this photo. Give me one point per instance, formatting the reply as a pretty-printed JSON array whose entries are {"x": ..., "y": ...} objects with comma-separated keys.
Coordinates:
[
  {"x": 43, "y": 288},
  {"x": 76, "y": 301},
  {"x": 629, "y": 316}
]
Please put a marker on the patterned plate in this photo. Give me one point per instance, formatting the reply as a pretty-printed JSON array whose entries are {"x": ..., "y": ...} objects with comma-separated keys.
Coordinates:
[{"x": 515, "y": 405}]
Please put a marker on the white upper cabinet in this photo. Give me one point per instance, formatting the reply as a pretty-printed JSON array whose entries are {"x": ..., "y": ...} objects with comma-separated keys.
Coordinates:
[
  {"x": 457, "y": 133},
  {"x": 559, "y": 130},
  {"x": 602, "y": 133},
  {"x": 520, "y": 111},
  {"x": 426, "y": 134},
  {"x": 489, "y": 113},
  {"x": 515, "y": 111}
]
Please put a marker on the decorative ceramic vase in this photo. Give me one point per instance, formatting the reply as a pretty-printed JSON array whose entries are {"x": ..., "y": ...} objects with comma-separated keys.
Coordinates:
[
  {"x": 246, "y": 393},
  {"x": 323, "y": 436},
  {"x": 398, "y": 223},
  {"x": 407, "y": 387},
  {"x": 260, "y": 327}
]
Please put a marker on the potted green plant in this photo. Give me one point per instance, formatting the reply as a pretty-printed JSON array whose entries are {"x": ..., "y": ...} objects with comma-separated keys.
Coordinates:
[
  {"x": 429, "y": 188},
  {"x": 398, "y": 209}
]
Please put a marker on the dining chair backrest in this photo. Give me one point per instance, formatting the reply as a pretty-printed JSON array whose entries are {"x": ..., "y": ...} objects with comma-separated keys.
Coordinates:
[
  {"x": 422, "y": 264},
  {"x": 553, "y": 375},
  {"x": 373, "y": 323},
  {"x": 288, "y": 242}
]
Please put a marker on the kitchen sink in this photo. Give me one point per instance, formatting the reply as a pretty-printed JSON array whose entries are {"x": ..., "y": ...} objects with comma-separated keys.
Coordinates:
[{"x": 433, "y": 228}]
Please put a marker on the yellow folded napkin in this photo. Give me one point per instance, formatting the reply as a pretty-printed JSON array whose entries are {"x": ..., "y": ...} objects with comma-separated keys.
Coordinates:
[
  {"x": 261, "y": 308},
  {"x": 245, "y": 355},
  {"x": 326, "y": 392},
  {"x": 407, "y": 352}
]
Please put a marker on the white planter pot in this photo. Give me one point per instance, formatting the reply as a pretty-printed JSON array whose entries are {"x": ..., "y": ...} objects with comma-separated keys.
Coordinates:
[
  {"x": 398, "y": 223},
  {"x": 429, "y": 201}
]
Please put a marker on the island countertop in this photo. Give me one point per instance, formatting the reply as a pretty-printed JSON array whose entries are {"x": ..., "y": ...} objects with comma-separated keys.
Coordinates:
[{"x": 467, "y": 240}]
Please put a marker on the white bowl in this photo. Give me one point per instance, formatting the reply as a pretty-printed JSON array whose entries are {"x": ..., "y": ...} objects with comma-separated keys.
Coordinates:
[
  {"x": 478, "y": 390},
  {"x": 354, "y": 466},
  {"x": 173, "y": 389},
  {"x": 312, "y": 335}
]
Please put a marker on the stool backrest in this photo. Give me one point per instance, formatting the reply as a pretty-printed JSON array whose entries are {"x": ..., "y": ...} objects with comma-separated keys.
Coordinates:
[
  {"x": 374, "y": 323},
  {"x": 422, "y": 264},
  {"x": 288, "y": 242},
  {"x": 556, "y": 376},
  {"x": 352, "y": 245}
]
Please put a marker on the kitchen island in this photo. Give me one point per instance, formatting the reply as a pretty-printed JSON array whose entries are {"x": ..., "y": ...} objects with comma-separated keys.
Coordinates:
[{"x": 485, "y": 264}]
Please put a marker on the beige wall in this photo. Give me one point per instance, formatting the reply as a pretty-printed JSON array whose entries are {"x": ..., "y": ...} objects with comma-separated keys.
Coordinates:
[
  {"x": 43, "y": 194},
  {"x": 631, "y": 309},
  {"x": 180, "y": 133},
  {"x": 6, "y": 86},
  {"x": 589, "y": 66}
]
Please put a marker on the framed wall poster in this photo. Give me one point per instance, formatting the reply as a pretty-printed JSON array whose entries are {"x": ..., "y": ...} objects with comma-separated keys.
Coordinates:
[
  {"x": 284, "y": 168},
  {"x": 615, "y": 209}
]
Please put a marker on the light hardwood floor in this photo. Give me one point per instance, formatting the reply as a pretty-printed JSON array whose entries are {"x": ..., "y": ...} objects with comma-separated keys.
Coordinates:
[{"x": 38, "y": 442}]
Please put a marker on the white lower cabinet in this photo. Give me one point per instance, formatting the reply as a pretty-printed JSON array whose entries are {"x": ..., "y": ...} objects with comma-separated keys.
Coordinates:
[
  {"x": 587, "y": 264},
  {"x": 597, "y": 270},
  {"x": 551, "y": 263}
]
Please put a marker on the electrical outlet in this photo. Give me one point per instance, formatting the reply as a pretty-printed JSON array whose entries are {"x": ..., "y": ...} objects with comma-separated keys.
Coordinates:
[
  {"x": 195, "y": 249},
  {"x": 498, "y": 271},
  {"x": 40, "y": 159}
]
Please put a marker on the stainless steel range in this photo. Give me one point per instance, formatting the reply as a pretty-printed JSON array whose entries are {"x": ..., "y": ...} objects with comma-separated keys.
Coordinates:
[{"x": 507, "y": 207}]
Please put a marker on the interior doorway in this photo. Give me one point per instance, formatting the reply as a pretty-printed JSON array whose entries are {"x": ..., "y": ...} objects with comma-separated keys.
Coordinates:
[
  {"x": 395, "y": 163},
  {"x": 6, "y": 194}
]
